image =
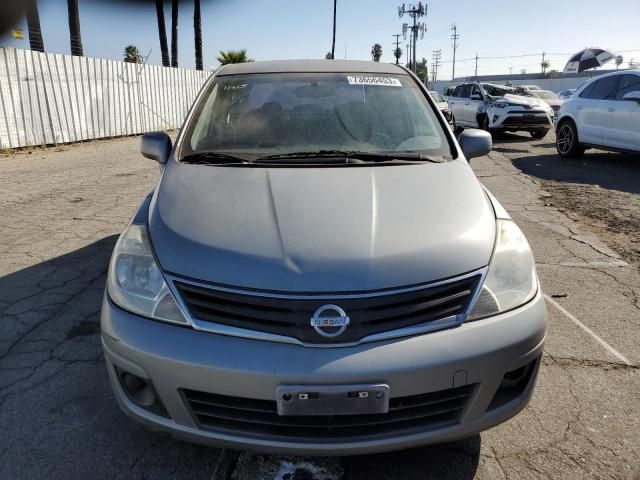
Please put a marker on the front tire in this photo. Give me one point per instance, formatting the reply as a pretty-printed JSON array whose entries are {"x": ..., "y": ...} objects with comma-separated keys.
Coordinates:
[
  {"x": 456, "y": 128},
  {"x": 567, "y": 142},
  {"x": 539, "y": 133}
]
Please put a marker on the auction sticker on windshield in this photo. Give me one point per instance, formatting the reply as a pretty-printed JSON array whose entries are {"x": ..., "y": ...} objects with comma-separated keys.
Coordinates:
[{"x": 366, "y": 80}]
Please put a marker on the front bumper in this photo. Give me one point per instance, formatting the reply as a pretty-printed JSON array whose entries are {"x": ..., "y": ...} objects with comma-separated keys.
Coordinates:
[
  {"x": 520, "y": 120},
  {"x": 477, "y": 354}
]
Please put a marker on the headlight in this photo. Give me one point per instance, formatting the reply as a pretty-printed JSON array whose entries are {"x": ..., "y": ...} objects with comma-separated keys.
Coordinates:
[
  {"x": 135, "y": 282},
  {"x": 511, "y": 280}
]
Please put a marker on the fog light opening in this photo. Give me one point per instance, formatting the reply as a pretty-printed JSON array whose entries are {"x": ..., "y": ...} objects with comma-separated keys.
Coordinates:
[
  {"x": 138, "y": 389},
  {"x": 513, "y": 378},
  {"x": 141, "y": 392}
]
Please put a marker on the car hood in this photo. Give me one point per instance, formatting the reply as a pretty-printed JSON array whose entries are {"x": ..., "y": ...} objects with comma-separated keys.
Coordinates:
[
  {"x": 554, "y": 102},
  {"x": 520, "y": 100},
  {"x": 321, "y": 229}
]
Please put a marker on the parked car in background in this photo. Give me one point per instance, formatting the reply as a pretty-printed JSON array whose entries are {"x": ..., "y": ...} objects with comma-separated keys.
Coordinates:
[
  {"x": 553, "y": 99},
  {"x": 442, "y": 104},
  {"x": 604, "y": 113},
  {"x": 564, "y": 94},
  {"x": 531, "y": 87},
  {"x": 497, "y": 108},
  {"x": 319, "y": 271}
]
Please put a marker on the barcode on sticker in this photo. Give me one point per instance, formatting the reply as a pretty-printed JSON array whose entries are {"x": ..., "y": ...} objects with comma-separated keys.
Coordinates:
[{"x": 367, "y": 80}]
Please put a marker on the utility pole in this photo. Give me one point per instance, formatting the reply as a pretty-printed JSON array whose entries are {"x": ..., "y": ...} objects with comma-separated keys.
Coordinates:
[
  {"x": 436, "y": 55},
  {"x": 415, "y": 12},
  {"x": 397, "y": 43},
  {"x": 543, "y": 65},
  {"x": 333, "y": 42},
  {"x": 476, "y": 75},
  {"x": 410, "y": 53},
  {"x": 454, "y": 38},
  {"x": 510, "y": 69}
]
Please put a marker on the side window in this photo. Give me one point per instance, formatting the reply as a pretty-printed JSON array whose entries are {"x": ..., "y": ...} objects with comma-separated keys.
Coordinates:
[
  {"x": 586, "y": 93},
  {"x": 457, "y": 92},
  {"x": 476, "y": 91},
  {"x": 465, "y": 91},
  {"x": 605, "y": 88},
  {"x": 628, "y": 83}
]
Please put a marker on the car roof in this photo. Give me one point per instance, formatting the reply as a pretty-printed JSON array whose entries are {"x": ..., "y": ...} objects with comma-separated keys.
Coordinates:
[{"x": 289, "y": 66}]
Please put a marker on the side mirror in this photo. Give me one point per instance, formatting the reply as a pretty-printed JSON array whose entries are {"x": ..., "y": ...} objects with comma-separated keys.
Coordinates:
[
  {"x": 156, "y": 146},
  {"x": 476, "y": 96},
  {"x": 475, "y": 143},
  {"x": 632, "y": 96}
]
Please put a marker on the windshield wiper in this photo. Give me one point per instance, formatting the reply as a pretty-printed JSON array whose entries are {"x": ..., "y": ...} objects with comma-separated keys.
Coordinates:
[
  {"x": 366, "y": 156},
  {"x": 214, "y": 158}
]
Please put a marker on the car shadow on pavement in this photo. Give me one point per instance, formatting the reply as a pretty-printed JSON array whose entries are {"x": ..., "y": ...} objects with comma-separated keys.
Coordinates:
[
  {"x": 55, "y": 395},
  {"x": 456, "y": 460},
  {"x": 613, "y": 171}
]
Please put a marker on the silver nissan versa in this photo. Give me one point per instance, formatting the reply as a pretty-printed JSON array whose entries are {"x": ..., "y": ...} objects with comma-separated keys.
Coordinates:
[{"x": 319, "y": 271}]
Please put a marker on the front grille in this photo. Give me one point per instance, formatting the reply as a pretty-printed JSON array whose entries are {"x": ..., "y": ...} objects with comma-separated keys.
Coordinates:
[
  {"x": 257, "y": 418},
  {"x": 527, "y": 119},
  {"x": 291, "y": 317}
]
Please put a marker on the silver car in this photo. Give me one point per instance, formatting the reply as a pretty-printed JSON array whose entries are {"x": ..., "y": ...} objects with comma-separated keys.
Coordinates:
[{"x": 319, "y": 271}]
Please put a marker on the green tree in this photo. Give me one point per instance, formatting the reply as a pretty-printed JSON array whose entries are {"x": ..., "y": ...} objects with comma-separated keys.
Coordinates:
[
  {"x": 132, "y": 54},
  {"x": 233, "y": 56},
  {"x": 544, "y": 66},
  {"x": 74, "y": 28},
  {"x": 162, "y": 33},
  {"x": 422, "y": 70},
  {"x": 397, "y": 53},
  {"x": 376, "y": 52}
]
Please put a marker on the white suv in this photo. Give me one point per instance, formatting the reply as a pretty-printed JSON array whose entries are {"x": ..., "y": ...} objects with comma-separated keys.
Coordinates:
[
  {"x": 499, "y": 108},
  {"x": 603, "y": 113}
]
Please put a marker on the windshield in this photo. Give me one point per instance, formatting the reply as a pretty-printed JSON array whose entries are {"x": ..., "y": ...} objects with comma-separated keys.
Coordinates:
[
  {"x": 544, "y": 94},
  {"x": 271, "y": 114},
  {"x": 437, "y": 97},
  {"x": 497, "y": 90}
]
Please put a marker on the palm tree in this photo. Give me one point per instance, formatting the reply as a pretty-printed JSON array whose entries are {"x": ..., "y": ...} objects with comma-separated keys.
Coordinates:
[
  {"x": 174, "y": 33},
  {"x": 376, "y": 52},
  {"x": 132, "y": 54},
  {"x": 397, "y": 53},
  {"x": 74, "y": 28},
  {"x": 197, "y": 33},
  {"x": 333, "y": 43},
  {"x": 233, "y": 56},
  {"x": 545, "y": 64},
  {"x": 162, "y": 32},
  {"x": 33, "y": 23}
]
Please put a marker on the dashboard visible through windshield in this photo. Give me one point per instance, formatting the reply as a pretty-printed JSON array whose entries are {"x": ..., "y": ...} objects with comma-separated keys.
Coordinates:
[{"x": 258, "y": 115}]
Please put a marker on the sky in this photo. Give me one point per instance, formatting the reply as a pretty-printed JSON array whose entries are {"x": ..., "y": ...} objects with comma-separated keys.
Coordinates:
[{"x": 283, "y": 29}]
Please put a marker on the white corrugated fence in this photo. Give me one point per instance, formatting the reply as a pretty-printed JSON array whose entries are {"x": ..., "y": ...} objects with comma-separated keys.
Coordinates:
[{"x": 49, "y": 98}]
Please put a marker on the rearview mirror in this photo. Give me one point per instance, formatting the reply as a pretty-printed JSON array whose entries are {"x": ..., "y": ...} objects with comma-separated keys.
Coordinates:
[
  {"x": 632, "y": 96},
  {"x": 475, "y": 143},
  {"x": 156, "y": 146}
]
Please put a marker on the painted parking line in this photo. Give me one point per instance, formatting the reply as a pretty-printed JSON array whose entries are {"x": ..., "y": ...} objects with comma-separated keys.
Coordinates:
[{"x": 593, "y": 335}]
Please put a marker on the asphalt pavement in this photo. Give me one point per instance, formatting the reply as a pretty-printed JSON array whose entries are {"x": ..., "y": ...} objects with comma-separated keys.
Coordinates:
[{"x": 60, "y": 212}]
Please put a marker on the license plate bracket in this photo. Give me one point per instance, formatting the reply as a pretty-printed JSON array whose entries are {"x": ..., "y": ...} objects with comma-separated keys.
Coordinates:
[{"x": 332, "y": 399}]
